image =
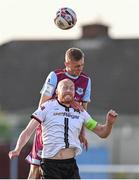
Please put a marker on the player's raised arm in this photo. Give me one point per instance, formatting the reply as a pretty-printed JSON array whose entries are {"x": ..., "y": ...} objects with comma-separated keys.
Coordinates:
[{"x": 104, "y": 130}]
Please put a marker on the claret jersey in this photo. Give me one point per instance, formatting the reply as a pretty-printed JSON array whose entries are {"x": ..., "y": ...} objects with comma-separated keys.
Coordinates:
[
  {"x": 61, "y": 127},
  {"x": 82, "y": 84}
]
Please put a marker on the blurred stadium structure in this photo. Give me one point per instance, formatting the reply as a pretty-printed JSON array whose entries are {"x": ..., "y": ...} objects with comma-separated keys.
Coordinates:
[{"x": 113, "y": 66}]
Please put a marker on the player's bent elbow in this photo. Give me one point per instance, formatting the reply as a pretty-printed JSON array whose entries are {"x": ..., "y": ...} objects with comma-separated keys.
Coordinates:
[
  {"x": 103, "y": 136},
  {"x": 102, "y": 131}
]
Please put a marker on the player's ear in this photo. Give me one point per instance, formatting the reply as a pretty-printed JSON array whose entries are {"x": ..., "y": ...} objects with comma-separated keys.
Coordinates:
[{"x": 66, "y": 64}]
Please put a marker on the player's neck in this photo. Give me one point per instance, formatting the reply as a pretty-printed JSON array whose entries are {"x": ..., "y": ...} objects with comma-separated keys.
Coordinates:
[
  {"x": 70, "y": 74},
  {"x": 67, "y": 104}
]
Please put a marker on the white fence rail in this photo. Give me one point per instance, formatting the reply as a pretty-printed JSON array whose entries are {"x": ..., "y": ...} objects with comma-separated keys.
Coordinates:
[{"x": 109, "y": 168}]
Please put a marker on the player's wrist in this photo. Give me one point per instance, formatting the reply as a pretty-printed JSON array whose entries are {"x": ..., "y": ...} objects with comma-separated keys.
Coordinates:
[{"x": 109, "y": 124}]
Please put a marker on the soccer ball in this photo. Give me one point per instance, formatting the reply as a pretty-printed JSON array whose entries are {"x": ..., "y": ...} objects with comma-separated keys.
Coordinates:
[{"x": 65, "y": 18}]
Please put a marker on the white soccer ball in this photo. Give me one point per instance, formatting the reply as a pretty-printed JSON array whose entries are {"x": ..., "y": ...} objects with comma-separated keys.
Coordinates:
[{"x": 65, "y": 18}]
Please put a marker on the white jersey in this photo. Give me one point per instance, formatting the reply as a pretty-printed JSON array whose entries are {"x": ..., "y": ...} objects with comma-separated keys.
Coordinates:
[{"x": 61, "y": 127}]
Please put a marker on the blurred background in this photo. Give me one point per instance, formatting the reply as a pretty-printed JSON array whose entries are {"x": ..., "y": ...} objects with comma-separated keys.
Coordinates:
[{"x": 31, "y": 46}]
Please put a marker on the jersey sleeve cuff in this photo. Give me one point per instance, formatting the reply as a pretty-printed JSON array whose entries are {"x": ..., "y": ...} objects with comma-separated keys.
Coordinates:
[{"x": 37, "y": 119}]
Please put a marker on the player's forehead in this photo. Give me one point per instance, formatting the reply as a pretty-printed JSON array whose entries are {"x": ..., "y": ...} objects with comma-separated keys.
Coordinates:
[
  {"x": 66, "y": 83},
  {"x": 79, "y": 62}
]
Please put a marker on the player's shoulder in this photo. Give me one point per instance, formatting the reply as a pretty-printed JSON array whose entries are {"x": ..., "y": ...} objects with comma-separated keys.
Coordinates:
[
  {"x": 84, "y": 75},
  {"x": 59, "y": 71},
  {"x": 49, "y": 103}
]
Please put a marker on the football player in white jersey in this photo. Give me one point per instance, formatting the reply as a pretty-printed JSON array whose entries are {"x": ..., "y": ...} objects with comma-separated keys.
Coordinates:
[
  {"x": 74, "y": 64},
  {"x": 61, "y": 126}
]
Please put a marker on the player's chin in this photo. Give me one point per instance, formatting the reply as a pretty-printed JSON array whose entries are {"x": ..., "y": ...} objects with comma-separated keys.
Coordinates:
[
  {"x": 68, "y": 98},
  {"x": 77, "y": 73}
]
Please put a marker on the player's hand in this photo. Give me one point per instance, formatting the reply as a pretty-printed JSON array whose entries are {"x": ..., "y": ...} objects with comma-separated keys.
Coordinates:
[
  {"x": 13, "y": 154},
  {"x": 111, "y": 117},
  {"x": 83, "y": 141},
  {"x": 77, "y": 106}
]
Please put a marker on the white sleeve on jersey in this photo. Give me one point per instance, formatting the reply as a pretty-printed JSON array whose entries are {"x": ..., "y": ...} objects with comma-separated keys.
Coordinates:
[
  {"x": 87, "y": 95},
  {"x": 40, "y": 113},
  {"x": 49, "y": 85}
]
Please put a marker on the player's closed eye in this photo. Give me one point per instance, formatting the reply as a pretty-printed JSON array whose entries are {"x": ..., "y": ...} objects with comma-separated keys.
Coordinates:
[{"x": 79, "y": 66}]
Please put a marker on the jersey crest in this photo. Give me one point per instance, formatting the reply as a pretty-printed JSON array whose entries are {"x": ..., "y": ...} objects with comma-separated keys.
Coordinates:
[{"x": 79, "y": 90}]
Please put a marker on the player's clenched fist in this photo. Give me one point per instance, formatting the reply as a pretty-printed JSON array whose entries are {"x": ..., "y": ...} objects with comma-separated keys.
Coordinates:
[
  {"x": 13, "y": 154},
  {"x": 111, "y": 117}
]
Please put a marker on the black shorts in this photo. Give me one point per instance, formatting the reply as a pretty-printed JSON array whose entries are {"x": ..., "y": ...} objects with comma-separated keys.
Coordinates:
[{"x": 60, "y": 169}]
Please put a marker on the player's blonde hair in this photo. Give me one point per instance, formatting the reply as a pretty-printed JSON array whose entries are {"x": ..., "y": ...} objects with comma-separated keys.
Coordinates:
[{"x": 74, "y": 54}]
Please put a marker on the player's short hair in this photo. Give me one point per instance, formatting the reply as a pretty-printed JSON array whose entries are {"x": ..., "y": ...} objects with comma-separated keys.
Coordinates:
[{"x": 74, "y": 54}]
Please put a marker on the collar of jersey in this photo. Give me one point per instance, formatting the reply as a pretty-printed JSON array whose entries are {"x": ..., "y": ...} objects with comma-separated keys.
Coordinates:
[
  {"x": 63, "y": 104},
  {"x": 73, "y": 77}
]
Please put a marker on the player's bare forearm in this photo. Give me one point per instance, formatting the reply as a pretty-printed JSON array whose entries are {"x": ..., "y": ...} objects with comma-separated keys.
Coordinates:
[
  {"x": 23, "y": 138},
  {"x": 83, "y": 139},
  {"x": 85, "y": 105},
  {"x": 82, "y": 135},
  {"x": 104, "y": 130}
]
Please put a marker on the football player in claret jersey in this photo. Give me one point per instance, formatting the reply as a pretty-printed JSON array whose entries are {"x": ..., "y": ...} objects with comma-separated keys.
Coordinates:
[
  {"x": 61, "y": 126},
  {"x": 74, "y": 64}
]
